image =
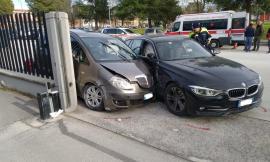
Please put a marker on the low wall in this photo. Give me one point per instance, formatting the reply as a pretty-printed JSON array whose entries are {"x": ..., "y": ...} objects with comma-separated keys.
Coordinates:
[{"x": 27, "y": 84}]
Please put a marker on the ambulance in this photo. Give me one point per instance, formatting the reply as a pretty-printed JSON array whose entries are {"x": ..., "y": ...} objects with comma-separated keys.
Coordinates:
[{"x": 226, "y": 27}]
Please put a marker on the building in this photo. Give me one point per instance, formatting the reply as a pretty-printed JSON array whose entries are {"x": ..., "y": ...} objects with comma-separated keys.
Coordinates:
[
  {"x": 20, "y": 10},
  {"x": 265, "y": 17}
]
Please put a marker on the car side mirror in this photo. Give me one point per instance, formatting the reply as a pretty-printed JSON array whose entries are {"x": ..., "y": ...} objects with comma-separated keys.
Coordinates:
[{"x": 81, "y": 59}]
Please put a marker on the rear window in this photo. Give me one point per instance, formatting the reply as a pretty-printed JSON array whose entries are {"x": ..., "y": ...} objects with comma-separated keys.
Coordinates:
[
  {"x": 187, "y": 25},
  {"x": 209, "y": 24},
  {"x": 176, "y": 27},
  {"x": 149, "y": 31},
  {"x": 238, "y": 23}
]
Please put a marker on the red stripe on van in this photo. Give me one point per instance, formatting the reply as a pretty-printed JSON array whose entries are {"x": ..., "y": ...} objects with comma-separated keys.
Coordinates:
[
  {"x": 238, "y": 30},
  {"x": 172, "y": 33}
]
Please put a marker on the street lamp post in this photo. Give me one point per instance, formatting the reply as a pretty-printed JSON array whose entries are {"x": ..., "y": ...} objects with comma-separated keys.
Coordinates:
[
  {"x": 109, "y": 4},
  {"x": 110, "y": 16}
]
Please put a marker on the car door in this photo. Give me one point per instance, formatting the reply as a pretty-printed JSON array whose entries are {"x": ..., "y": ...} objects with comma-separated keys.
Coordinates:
[
  {"x": 149, "y": 55},
  {"x": 160, "y": 74},
  {"x": 135, "y": 45},
  {"x": 81, "y": 63}
]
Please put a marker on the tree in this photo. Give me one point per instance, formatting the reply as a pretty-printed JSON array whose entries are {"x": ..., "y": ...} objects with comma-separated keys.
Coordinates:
[
  {"x": 166, "y": 11},
  {"x": 49, "y": 5},
  {"x": 157, "y": 11},
  {"x": 200, "y": 5},
  {"x": 249, "y": 6},
  {"x": 82, "y": 10},
  {"x": 6, "y": 7},
  {"x": 100, "y": 10},
  {"x": 127, "y": 9},
  {"x": 194, "y": 8}
]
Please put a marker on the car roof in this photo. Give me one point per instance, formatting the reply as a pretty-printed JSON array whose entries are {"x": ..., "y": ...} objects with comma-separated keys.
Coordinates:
[
  {"x": 82, "y": 33},
  {"x": 160, "y": 37}
]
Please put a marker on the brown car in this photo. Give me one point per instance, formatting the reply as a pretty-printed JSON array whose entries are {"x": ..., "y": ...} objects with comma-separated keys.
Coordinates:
[{"x": 108, "y": 73}]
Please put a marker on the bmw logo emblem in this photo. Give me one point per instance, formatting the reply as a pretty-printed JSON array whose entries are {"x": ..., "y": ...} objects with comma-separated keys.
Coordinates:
[{"x": 243, "y": 84}]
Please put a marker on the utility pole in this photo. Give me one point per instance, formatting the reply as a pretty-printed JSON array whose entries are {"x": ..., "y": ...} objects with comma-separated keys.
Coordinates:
[{"x": 109, "y": 4}]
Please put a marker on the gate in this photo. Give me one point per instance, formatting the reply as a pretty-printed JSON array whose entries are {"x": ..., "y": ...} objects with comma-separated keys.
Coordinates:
[
  {"x": 34, "y": 50},
  {"x": 24, "y": 46}
]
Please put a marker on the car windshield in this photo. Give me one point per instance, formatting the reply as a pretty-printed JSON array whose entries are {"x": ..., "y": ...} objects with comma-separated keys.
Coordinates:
[
  {"x": 181, "y": 49},
  {"x": 128, "y": 31},
  {"x": 108, "y": 49}
]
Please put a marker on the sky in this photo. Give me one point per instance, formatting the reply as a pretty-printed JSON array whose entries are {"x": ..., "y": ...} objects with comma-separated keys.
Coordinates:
[{"x": 20, "y": 4}]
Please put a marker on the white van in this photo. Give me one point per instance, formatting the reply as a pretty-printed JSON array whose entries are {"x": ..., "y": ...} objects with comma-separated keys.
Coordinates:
[{"x": 225, "y": 27}]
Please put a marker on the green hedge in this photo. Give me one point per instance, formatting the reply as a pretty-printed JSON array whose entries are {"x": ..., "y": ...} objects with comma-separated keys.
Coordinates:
[
  {"x": 139, "y": 31},
  {"x": 266, "y": 26}
]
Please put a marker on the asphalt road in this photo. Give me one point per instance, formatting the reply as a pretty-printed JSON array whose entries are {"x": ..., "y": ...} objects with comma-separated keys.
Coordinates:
[{"x": 240, "y": 137}]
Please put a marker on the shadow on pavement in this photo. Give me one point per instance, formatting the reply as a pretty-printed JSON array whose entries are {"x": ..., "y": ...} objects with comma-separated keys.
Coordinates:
[{"x": 83, "y": 140}]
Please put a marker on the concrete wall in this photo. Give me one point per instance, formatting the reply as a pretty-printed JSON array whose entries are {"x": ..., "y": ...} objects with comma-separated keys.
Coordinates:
[{"x": 23, "y": 83}]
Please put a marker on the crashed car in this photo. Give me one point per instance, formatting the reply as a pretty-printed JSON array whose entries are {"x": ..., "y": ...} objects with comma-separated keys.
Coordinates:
[
  {"x": 193, "y": 81},
  {"x": 108, "y": 73}
]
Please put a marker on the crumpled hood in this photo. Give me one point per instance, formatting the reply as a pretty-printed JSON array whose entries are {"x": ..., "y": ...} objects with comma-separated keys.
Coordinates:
[
  {"x": 214, "y": 70},
  {"x": 128, "y": 70}
]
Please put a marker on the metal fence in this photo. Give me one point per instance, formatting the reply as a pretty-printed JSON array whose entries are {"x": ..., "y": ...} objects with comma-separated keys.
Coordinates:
[{"x": 24, "y": 46}]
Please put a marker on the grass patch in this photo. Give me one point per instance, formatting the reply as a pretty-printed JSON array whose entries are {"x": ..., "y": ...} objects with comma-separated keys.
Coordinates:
[
  {"x": 139, "y": 31},
  {"x": 266, "y": 26}
]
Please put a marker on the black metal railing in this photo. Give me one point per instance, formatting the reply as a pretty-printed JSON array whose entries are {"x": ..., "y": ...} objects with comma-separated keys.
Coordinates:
[{"x": 24, "y": 46}]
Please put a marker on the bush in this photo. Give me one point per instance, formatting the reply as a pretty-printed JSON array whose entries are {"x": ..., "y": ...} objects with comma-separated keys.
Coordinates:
[{"x": 139, "y": 31}]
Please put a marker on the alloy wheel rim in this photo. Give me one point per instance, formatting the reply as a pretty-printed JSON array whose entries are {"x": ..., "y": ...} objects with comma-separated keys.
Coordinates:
[
  {"x": 213, "y": 45},
  {"x": 176, "y": 99},
  {"x": 94, "y": 96}
]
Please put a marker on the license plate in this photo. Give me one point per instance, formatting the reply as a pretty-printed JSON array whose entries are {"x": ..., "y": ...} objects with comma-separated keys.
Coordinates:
[
  {"x": 245, "y": 102},
  {"x": 148, "y": 96}
]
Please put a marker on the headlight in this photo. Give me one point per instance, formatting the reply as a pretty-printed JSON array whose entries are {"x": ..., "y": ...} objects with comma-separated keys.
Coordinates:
[
  {"x": 120, "y": 83},
  {"x": 202, "y": 91}
]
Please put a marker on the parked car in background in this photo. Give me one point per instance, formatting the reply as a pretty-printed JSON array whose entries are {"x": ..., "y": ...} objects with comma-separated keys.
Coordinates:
[
  {"x": 193, "y": 81},
  {"x": 122, "y": 33},
  {"x": 151, "y": 31},
  {"x": 87, "y": 29},
  {"x": 108, "y": 73}
]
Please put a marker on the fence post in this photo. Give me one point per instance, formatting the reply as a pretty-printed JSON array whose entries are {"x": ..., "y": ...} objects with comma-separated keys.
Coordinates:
[{"x": 61, "y": 58}]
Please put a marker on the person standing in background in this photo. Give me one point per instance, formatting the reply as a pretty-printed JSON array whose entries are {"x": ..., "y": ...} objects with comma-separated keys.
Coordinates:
[
  {"x": 257, "y": 36},
  {"x": 249, "y": 34},
  {"x": 268, "y": 37}
]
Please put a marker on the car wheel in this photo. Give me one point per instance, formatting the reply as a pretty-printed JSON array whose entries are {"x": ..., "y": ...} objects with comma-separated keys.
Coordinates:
[
  {"x": 175, "y": 100},
  {"x": 93, "y": 97},
  {"x": 214, "y": 43}
]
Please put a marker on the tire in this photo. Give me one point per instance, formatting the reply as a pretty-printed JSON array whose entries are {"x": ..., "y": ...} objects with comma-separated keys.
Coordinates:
[
  {"x": 214, "y": 43},
  {"x": 93, "y": 97},
  {"x": 175, "y": 100}
]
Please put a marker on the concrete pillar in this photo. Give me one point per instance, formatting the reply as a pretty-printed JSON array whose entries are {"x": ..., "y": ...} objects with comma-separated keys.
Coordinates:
[{"x": 61, "y": 57}]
